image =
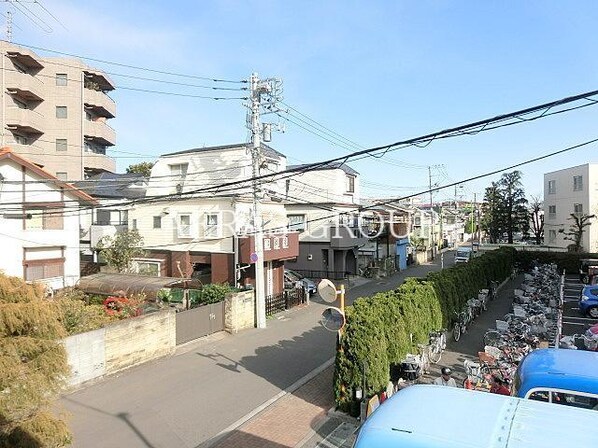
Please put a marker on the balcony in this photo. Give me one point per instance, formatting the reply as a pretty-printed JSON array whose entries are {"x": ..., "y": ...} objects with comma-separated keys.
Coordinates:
[
  {"x": 98, "y": 162},
  {"x": 98, "y": 80},
  {"x": 26, "y": 58},
  {"x": 100, "y": 133},
  {"x": 97, "y": 232},
  {"x": 24, "y": 86},
  {"x": 99, "y": 103},
  {"x": 25, "y": 121},
  {"x": 344, "y": 237}
]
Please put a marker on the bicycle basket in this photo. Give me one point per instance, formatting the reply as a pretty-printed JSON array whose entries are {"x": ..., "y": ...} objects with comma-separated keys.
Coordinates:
[{"x": 410, "y": 371}]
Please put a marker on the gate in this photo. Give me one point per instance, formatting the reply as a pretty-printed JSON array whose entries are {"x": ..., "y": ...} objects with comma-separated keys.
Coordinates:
[
  {"x": 198, "y": 322},
  {"x": 285, "y": 300}
]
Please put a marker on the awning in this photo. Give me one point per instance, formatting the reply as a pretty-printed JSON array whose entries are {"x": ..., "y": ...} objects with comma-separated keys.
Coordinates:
[{"x": 127, "y": 284}]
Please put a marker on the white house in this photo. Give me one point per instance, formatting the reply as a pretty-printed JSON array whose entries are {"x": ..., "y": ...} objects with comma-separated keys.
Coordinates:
[
  {"x": 322, "y": 205},
  {"x": 39, "y": 218},
  {"x": 204, "y": 234},
  {"x": 571, "y": 190}
]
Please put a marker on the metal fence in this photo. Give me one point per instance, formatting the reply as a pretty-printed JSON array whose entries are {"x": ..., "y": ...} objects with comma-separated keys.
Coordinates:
[
  {"x": 283, "y": 301},
  {"x": 331, "y": 275}
]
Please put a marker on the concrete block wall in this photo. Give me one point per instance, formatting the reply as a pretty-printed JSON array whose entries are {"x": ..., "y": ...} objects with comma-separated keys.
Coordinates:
[
  {"x": 140, "y": 339},
  {"x": 120, "y": 345},
  {"x": 239, "y": 311}
]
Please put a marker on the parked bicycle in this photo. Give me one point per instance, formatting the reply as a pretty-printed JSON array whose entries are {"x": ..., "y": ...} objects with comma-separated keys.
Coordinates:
[
  {"x": 437, "y": 345},
  {"x": 464, "y": 318}
]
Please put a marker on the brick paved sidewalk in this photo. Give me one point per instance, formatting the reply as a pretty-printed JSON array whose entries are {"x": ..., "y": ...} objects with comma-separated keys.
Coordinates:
[{"x": 287, "y": 421}]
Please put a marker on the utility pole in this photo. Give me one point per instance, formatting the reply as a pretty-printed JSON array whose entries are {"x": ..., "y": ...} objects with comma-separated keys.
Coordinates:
[
  {"x": 271, "y": 90},
  {"x": 473, "y": 221},
  {"x": 258, "y": 231},
  {"x": 432, "y": 243}
]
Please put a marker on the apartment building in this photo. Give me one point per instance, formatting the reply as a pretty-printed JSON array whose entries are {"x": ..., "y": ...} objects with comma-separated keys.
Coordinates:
[
  {"x": 567, "y": 191},
  {"x": 40, "y": 223},
  {"x": 55, "y": 112}
]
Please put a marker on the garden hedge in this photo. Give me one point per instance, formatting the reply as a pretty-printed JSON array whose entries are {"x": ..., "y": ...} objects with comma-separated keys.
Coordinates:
[
  {"x": 380, "y": 330},
  {"x": 569, "y": 261}
]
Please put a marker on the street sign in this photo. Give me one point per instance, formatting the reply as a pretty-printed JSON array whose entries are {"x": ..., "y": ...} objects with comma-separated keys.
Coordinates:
[
  {"x": 253, "y": 257},
  {"x": 333, "y": 319},
  {"x": 327, "y": 290}
]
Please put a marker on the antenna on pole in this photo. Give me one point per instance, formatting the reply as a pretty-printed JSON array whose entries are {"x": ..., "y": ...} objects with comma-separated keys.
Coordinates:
[{"x": 9, "y": 26}]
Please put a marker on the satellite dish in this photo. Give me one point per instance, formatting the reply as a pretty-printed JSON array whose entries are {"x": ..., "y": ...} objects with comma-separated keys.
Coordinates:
[
  {"x": 327, "y": 290},
  {"x": 333, "y": 319}
]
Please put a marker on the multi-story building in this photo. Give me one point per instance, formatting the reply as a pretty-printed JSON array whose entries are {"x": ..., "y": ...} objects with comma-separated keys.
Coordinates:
[
  {"x": 40, "y": 223},
  {"x": 567, "y": 191},
  {"x": 323, "y": 205},
  {"x": 55, "y": 112},
  {"x": 209, "y": 235}
]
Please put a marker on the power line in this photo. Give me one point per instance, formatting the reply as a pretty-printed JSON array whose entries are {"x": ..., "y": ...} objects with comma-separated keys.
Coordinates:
[{"x": 134, "y": 67}]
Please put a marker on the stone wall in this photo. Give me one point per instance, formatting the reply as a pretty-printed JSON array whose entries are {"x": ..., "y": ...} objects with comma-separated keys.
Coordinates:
[{"x": 239, "y": 311}]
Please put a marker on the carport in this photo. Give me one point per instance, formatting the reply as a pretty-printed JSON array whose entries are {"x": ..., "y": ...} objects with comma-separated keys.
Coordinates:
[{"x": 127, "y": 284}]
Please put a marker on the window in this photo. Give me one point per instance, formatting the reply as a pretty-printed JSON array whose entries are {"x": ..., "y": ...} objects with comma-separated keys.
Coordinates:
[
  {"x": 296, "y": 223},
  {"x": 212, "y": 225},
  {"x": 578, "y": 209},
  {"x": 61, "y": 144},
  {"x": 62, "y": 175},
  {"x": 551, "y": 236},
  {"x": 49, "y": 269},
  {"x": 61, "y": 112},
  {"x": 157, "y": 222},
  {"x": 43, "y": 219},
  {"x": 103, "y": 217},
  {"x": 350, "y": 184},
  {"x": 267, "y": 244},
  {"x": 577, "y": 183},
  {"x": 179, "y": 170},
  {"x": 539, "y": 395},
  {"x": 552, "y": 187},
  {"x": 134, "y": 223},
  {"x": 61, "y": 79},
  {"x": 147, "y": 267},
  {"x": 552, "y": 212},
  {"x": 184, "y": 227}
]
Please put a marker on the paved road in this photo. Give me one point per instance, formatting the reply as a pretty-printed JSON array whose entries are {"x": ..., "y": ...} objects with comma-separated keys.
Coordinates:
[{"x": 187, "y": 399}]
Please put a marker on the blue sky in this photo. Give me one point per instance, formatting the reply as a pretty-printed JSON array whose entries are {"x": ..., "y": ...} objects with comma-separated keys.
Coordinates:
[{"x": 373, "y": 71}]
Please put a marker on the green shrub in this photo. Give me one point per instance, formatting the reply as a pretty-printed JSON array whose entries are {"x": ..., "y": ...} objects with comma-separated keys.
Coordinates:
[
  {"x": 78, "y": 317},
  {"x": 381, "y": 330},
  {"x": 214, "y": 293}
]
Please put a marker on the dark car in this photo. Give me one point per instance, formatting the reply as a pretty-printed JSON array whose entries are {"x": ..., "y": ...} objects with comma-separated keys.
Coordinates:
[
  {"x": 291, "y": 278},
  {"x": 588, "y": 270}
]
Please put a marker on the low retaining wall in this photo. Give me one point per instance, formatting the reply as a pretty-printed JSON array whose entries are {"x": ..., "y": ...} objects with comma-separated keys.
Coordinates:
[{"x": 120, "y": 345}]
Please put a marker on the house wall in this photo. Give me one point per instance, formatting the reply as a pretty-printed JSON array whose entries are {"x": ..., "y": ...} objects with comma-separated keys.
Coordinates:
[
  {"x": 324, "y": 186},
  {"x": 14, "y": 239},
  {"x": 564, "y": 199}
]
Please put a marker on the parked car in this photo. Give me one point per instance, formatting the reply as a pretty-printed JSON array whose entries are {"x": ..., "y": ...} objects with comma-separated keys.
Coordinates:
[
  {"x": 588, "y": 270},
  {"x": 291, "y": 278},
  {"x": 588, "y": 301}
]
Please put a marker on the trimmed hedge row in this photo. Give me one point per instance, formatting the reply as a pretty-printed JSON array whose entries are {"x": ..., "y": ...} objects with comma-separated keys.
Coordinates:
[
  {"x": 564, "y": 260},
  {"x": 382, "y": 329}
]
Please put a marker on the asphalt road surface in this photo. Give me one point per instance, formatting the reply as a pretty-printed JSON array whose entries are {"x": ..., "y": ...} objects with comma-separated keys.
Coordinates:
[{"x": 573, "y": 321}]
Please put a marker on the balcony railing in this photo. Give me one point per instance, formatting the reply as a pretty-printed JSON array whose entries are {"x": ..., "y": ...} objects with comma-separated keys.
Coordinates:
[
  {"x": 25, "y": 120},
  {"x": 100, "y": 103},
  {"x": 100, "y": 132}
]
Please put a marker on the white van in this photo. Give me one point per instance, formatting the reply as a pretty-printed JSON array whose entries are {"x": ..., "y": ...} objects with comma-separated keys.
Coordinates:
[{"x": 463, "y": 254}]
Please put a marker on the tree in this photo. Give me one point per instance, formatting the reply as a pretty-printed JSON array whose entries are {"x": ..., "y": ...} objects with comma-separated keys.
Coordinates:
[
  {"x": 514, "y": 204},
  {"x": 491, "y": 213},
  {"x": 34, "y": 365},
  {"x": 537, "y": 218},
  {"x": 144, "y": 168},
  {"x": 120, "y": 250},
  {"x": 576, "y": 229}
]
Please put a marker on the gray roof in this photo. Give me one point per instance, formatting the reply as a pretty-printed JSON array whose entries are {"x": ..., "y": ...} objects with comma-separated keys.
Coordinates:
[
  {"x": 113, "y": 185},
  {"x": 331, "y": 166},
  {"x": 267, "y": 150}
]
